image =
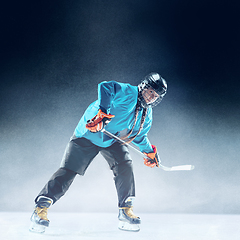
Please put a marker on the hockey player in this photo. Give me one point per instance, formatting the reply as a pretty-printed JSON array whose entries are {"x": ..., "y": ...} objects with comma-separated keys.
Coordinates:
[{"x": 119, "y": 108}]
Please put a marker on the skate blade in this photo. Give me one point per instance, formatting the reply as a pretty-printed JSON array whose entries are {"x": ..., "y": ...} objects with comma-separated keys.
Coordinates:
[
  {"x": 125, "y": 226},
  {"x": 37, "y": 228}
]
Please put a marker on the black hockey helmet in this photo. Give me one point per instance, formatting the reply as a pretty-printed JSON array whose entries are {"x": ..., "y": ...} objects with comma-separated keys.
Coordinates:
[{"x": 157, "y": 83}]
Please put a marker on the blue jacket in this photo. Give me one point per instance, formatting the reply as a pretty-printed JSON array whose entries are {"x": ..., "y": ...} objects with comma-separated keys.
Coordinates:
[{"x": 119, "y": 99}]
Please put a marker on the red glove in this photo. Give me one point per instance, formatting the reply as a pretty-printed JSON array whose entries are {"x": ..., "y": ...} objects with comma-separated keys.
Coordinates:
[
  {"x": 154, "y": 156},
  {"x": 97, "y": 123}
]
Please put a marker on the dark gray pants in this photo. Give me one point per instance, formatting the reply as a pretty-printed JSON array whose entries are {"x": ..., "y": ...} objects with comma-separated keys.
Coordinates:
[{"x": 78, "y": 155}]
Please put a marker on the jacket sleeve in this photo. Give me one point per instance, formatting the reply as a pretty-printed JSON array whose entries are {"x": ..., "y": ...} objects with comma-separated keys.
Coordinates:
[{"x": 106, "y": 94}]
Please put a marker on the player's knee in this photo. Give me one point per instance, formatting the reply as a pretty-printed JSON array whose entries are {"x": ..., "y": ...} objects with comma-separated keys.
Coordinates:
[{"x": 123, "y": 168}]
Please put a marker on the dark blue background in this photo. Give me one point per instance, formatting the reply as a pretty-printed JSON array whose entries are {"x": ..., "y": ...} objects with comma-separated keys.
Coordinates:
[{"x": 54, "y": 53}]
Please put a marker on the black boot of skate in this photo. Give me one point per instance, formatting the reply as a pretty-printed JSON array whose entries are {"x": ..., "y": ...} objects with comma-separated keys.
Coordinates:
[
  {"x": 39, "y": 220},
  {"x": 128, "y": 221}
]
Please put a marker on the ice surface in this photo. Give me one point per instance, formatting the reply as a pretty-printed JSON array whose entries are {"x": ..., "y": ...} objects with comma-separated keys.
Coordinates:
[{"x": 103, "y": 226}]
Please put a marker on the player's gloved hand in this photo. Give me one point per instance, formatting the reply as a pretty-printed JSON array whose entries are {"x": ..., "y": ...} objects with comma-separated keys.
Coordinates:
[
  {"x": 155, "y": 160},
  {"x": 97, "y": 123}
]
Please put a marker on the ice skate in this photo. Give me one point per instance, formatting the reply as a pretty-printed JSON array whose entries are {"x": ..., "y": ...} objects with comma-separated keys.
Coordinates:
[
  {"x": 128, "y": 221},
  {"x": 39, "y": 220}
]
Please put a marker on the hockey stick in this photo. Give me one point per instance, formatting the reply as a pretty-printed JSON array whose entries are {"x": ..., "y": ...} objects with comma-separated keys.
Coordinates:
[{"x": 174, "y": 168}]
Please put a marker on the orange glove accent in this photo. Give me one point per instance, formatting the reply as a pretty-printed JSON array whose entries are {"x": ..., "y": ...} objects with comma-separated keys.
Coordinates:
[
  {"x": 154, "y": 156},
  {"x": 97, "y": 123}
]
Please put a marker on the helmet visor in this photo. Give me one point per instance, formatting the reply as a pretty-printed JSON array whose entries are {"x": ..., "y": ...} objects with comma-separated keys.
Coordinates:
[{"x": 149, "y": 95}]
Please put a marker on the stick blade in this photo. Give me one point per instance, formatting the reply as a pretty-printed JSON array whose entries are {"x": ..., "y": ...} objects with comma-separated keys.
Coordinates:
[{"x": 182, "y": 168}]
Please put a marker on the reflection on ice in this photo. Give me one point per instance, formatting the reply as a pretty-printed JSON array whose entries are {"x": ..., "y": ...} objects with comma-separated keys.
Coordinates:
[{"x": 102, "y": 226}]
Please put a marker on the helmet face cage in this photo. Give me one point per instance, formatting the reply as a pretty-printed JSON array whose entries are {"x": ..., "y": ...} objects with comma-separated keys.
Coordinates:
[{"x": 157, "y": 83}]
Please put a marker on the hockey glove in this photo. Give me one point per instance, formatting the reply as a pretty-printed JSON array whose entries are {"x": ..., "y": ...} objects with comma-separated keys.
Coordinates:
[
  {"x": 155, "y": 160},
  {"x": 97, "y": 123}
]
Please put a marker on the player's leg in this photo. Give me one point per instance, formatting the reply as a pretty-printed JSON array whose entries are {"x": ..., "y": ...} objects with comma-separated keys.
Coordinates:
[
  {"x": 55, "y": 188},
  {"x": 120, "y": 162},
  {"x": 78, "y": 155}
]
